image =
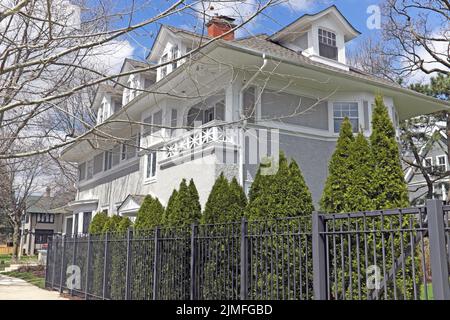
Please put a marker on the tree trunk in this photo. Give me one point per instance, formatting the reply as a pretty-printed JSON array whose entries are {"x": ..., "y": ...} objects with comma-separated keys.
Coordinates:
[{"x": 16, "y": 241}]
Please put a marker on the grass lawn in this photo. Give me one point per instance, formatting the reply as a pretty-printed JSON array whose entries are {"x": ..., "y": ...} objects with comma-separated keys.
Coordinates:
[
  {"x": 29, "y": 277},
  {"x": 5, "y": 260}
]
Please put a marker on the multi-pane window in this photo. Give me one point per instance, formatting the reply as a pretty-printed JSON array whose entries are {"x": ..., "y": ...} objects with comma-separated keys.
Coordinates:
[
  {"x": 345, "y": 109},
  {"x": 327, "y": 44},
  {"x": 164, "y": 59},
  {"x": 151, "y": 165},
  {"x": 153, "y": 123},
  {"x": 174, "y": 53},
  {"x": 45, "y": 218},
  {"x": 441, "y": 163}
]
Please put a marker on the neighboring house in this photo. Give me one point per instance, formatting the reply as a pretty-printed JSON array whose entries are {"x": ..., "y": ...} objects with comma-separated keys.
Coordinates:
[
  {"x": 42, "y": 219},
  {"x": 435, "y": 159},
  {"x": 232, "y": 100}
]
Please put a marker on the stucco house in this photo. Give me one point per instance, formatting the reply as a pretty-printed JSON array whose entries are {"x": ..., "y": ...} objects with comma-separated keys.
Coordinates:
[
  {"x": 434, "y": 158},
  {"x": 223, "y": 108}
]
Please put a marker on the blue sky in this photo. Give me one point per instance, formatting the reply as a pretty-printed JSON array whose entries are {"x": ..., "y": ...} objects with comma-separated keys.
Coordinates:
[{"x": 274, "y": 18}]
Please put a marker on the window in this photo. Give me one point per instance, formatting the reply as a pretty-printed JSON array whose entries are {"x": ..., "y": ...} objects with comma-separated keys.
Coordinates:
[
  {"x": 81, "y": 171},
  {"x": 98, "y": 163},
  {"x": 345, "y": 109},
  {"x": 123, "y": 154},
  {"x": 209, "y": 115},
  {"x": 174, "y": 52},
  {"x": 151, "y": 165},
  {"x": 164, "y": 68},
  {"x": 89, "y": 169},
  {"x": 42, "y": 236},
  {"x": 173, "y": 121},
  {"x": 441, "y": 163},
  {"x": 100, "y": 115},
  {"x": 327, "y": 44},
  {"x": 108, "y": 160},
  {"x": 153, "y": 123},
  {"x": 69, "y": 225},
  {"x": 428, "y": 162},
  {"x": 86, "y": 221},
  {"x": 45, "y": 218}
]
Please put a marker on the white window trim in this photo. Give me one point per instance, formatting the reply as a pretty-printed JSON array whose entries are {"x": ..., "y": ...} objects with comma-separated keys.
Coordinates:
[
  {"x": 445, "y": 161},
  {"x": 331, "y": 114},
  {"x": 148, "y": 180}
]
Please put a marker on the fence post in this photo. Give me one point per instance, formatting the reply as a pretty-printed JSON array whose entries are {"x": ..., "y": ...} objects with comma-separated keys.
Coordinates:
[
  {"x": 49, "y": 251},
  {"x": 319, "y": 257},
  {"x": 88, "y": 261},
  {"x": 193, "y": 288},
  {"x": 244, "y": 259},
  {"x": 105, "y": 264},
  {"x": 155, "y": 264},
  {"x": 54, "y": 263},
  {"x": 438, "y": 256},
  {"x": 128, "y": 265},
  {"x": 74, "y": 258},
  {"x": 62, "y": 263}
]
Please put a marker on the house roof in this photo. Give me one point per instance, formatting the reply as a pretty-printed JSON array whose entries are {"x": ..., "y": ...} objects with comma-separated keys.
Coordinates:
[
  {"x": 45, "y": 204},
  {"x": 305, "y": 19},
  {"x": 138, "y": 199}
]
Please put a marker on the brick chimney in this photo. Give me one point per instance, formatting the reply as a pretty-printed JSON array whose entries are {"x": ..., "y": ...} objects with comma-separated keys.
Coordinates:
[{"x": 218, "y": 25}]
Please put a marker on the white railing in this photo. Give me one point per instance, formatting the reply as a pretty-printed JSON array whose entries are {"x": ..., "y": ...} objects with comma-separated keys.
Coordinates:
[{"x": 214, "y": 132}]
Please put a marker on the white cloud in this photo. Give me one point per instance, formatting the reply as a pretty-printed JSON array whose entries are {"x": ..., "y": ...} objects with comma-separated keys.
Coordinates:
[
  {"x": 299, "y": 5},
  {"x": 110, "y": 56},
  {"x": 240, "y": 10},
  {"x": 440, "y": 48}
]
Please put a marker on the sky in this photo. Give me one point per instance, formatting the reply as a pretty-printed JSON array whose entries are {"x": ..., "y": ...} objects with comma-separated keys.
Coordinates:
[{"x": 272, "y": 20}]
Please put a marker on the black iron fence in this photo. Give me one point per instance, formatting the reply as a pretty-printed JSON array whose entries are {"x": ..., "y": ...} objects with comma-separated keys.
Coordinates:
[{"x": 392, "y": 254}]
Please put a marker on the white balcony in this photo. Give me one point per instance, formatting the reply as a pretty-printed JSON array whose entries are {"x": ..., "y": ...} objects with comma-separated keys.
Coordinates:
[{"x": 210, "y": 134}]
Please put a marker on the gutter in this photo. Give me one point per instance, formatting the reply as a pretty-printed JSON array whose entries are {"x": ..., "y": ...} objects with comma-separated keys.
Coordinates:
[{"x": 339, "y": 73}]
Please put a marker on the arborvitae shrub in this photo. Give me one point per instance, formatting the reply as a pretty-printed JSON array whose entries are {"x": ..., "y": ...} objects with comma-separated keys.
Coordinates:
[
  {"x": 339, "y": 170},
  {"x": 150, "y": 214}
]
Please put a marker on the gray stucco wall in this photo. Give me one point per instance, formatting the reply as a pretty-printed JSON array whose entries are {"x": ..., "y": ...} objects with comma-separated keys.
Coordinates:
[
  {"x": 293, "y": 109},
  {"x": 312, "y": 155}
]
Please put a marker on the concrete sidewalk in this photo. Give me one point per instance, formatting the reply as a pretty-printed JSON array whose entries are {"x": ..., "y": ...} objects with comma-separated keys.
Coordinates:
[{"x": 18, "y": 289}]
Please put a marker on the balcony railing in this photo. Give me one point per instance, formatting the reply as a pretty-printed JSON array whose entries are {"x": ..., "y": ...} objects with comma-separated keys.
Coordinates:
[{"x": 211, "y": 132}]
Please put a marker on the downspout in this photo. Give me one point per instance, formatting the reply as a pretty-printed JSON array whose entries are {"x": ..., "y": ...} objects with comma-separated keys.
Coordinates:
[{"x": 241, "y": 116}]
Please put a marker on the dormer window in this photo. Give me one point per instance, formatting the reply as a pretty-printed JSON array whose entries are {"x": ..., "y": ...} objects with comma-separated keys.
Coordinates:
[
  {"x": 132, "y": 84},
  {"x": 174, "y": 53},
  {"x": 164, "y": 59},
  {"x": 327, "y": 44}
]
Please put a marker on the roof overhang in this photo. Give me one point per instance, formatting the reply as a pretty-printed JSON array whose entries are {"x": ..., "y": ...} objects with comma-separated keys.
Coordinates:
[
  {"x": 73, "y": 205},
  {"x": 409, "y": 103}
]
